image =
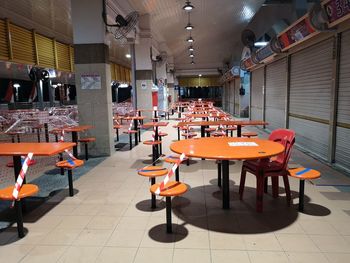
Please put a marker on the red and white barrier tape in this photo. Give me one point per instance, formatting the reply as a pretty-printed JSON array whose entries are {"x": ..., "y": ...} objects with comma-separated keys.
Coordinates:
[
  {"x": 130, "y": 126},
  {"x": 21, "y": 176},
  {"x": 68, "y": 152},
  {"x": 170, "y": 174}
]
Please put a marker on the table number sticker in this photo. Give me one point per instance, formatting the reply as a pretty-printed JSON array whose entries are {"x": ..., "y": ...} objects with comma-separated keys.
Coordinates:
[{"x": 248, "y": 144}]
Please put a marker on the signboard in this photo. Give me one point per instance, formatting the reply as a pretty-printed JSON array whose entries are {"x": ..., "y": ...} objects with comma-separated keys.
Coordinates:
[
  {"x": 143, "y": 85},
  {"x": 337, "y": 11},
  {"x": 90, "y": 81},
  {"x": 300, "y": 31},
  {"x": 264, "y": 52}
]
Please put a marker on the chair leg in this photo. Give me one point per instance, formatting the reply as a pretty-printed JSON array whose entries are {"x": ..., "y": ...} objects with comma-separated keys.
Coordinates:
[
  {"x": 242, "y": 183},
  {"x": 168, "y": 215},
  {"x": 19, "y": 218},
  {"x": 274, "y": 180},
  {"x": 86, "y": 152},
  {"x": 265, "y": 185},
  {"x": 153, "y": 201},
  {"x": 287, "y": 189},
  {"x": 117, "y": 132},
  {"x": 259, "y": 192},
  {"x": 219, "y": 174},
  {"x": 70, "y": 182},
  {"x": 177, "y": 174}
]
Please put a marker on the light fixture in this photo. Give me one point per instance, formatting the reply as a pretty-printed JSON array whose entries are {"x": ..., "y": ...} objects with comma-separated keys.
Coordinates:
[
  {"x": 16, "y": 85},
  {"x": 190, "y": 39},
  {"x": 188, "y": 6},
  {"x": 260, "y": 44},
  {"x": 200, "y": 75},
  {"x": 192, "y": 62},
  {"x": 128, "y": 56},
  {"x": 191, "y": 55},
  {"x": 191, "y": 49},
  {"x": 123, "y": 85},
  {"x": 189, "y": 25}
]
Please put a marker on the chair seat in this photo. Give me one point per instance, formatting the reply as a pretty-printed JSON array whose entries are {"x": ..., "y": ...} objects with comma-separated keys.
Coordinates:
[
  {"x": 171, "y": 189},
  {"x": 162, "y": 134},
  {"x": 26, "y": 191},
  {"x": 303, "y": 173},
  {"x": 117, "y": 126},
  {"x": 89, "y": 139},
  {"x": 173, "y": 159},
  {"x": 69, "y": 164},
  {"x": 152, "y": 142},
  {"x": 153, "y": 171},
  {"x": 254, "y": 165},
  {"x": 130, "y": 132},
  {"x": 249, "y": 134}
]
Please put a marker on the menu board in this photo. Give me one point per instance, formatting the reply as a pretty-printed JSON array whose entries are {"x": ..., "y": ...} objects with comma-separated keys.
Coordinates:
[
  {"x": 296, "y": 33},
  {"x": 337, "y": 11}
]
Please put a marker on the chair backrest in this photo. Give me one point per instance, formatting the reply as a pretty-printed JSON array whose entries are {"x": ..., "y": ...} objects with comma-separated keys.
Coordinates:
[{"x": 287, "y": 139}]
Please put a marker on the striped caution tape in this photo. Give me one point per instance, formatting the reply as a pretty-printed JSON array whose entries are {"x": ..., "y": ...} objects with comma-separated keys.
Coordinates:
[
  {"x": 130, "y": 126},
  {"x": 171, "y": 173},
  {"x": 21, "y": 176},
  {"x": 68, "y": 152}
]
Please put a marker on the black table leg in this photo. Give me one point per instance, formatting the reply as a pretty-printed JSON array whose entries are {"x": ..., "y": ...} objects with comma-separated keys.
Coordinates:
[
  {"x": 239, "y": 130},
  {"x": 153, "y": 200},
  {"x": 168, "y": 215},
  {"x": 136, "y": 138},
  {"x": 202, "y": 131},
  {"x": 225, "y": 185},
  {"x": 178, "y": 133},
  {"x": 46, "y": 128},
  {"x": 75, "y": 139},
  {"x": 19, "y": 217},
  {"x": 301, "y": 195},
  {"x": 38, "y": 134},
  {"x": 219, "y": 173}
]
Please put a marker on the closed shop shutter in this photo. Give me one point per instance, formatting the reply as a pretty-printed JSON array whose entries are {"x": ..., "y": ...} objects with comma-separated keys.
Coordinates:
[
  {"x": 4, "y": 50},
  {"x": 237, "y": 96},
  {"x": 310, "y": 93},
  {"x": 46, "y": 51},
  {"x": 22, "y": 45},
  {"x": 256, "y": 93},
  {"x": 276, "y": 90},
  {"x": 232, "y": 97},
  {"x": 342, "y": 153},
  {"x": 63, "y": 56}
]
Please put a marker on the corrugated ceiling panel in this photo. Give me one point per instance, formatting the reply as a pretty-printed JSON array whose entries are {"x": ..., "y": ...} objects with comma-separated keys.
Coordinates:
[
  {"x": 46, "y": 52},
  {"x": 4, "y": 52},
  {"x": 22, "y": 44},
  {"x": 63, "y": 56}
]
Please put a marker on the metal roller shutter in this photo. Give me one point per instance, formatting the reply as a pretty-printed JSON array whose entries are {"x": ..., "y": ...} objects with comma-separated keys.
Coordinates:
[
  {"x": 310, "y": 93},
  {"x": 342, "y": 153},
  {"x": 237, "y": 96},
  {"x": 256, "y": 93},
  {"x": 276, "y": 90}
]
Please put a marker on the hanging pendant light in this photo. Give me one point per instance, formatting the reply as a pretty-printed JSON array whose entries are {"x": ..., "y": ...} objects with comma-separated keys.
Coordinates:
[
  {"x": 190, "y": 39},
  {"x": 192, "y": 62},
  {"x": 188, "y": 7},
  {"x": 189, "y": 26},
  {"x": 191, "y": 55},
  {"x": 191, "y": 49}
]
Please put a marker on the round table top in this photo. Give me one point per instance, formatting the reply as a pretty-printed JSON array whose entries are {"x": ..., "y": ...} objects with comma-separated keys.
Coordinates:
[{"x": 219, "y": 148}]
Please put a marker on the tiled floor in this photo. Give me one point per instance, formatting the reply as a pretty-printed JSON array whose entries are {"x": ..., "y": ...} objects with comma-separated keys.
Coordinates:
[{"x": 109, "y": 220}]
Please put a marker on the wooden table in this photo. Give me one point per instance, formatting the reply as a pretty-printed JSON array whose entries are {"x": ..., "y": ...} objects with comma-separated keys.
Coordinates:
[
  {"x": 156, "y": 124},
  {"x": 74, "y": 130},
  {"x": 219, "y": 149},
  {"x": 204, "y": 124}
]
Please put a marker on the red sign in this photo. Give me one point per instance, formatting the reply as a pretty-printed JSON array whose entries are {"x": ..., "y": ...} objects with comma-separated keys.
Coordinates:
[
  {"x": 337, "y": 11},
  {"x": 296, "y": 33}
]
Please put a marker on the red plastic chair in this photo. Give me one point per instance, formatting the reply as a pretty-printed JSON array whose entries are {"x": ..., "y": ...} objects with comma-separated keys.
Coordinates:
[{"x": 274, "y": 167}]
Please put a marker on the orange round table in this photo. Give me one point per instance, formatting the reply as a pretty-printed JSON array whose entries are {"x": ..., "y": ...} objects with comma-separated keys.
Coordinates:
[{"x": 225, "y": 149}]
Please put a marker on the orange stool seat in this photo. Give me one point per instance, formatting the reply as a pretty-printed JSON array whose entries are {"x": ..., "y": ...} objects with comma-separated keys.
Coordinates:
[
  {"x": 173, "y": 159},
  {"x": 171, "y": 189},
  {"x": 130, "y": 132},
  {"x": 87, "y": 140},
  {"x": 303, "y": 174},
  {"x": 189, "y": 135},
  {"x": 152, "y": 172},
  {"x": 209, "y": 129},
  {"x": 70, "y": 165},
  {"x": 230, "y": 128},
  {"x": 218, "y": 134},
  {"x": 249, "y": 134},
  {"x": 27, "y": 190},
  {"x": 117, "y": 126},
  {"x": 162, "y": 134},
  {"x": 150, "y": 142}
]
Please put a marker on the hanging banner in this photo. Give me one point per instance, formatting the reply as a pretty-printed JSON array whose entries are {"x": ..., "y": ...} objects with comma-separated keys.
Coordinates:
[
  {"x": 300, "y": 31},
  {"x": 337, "y": 11}
]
